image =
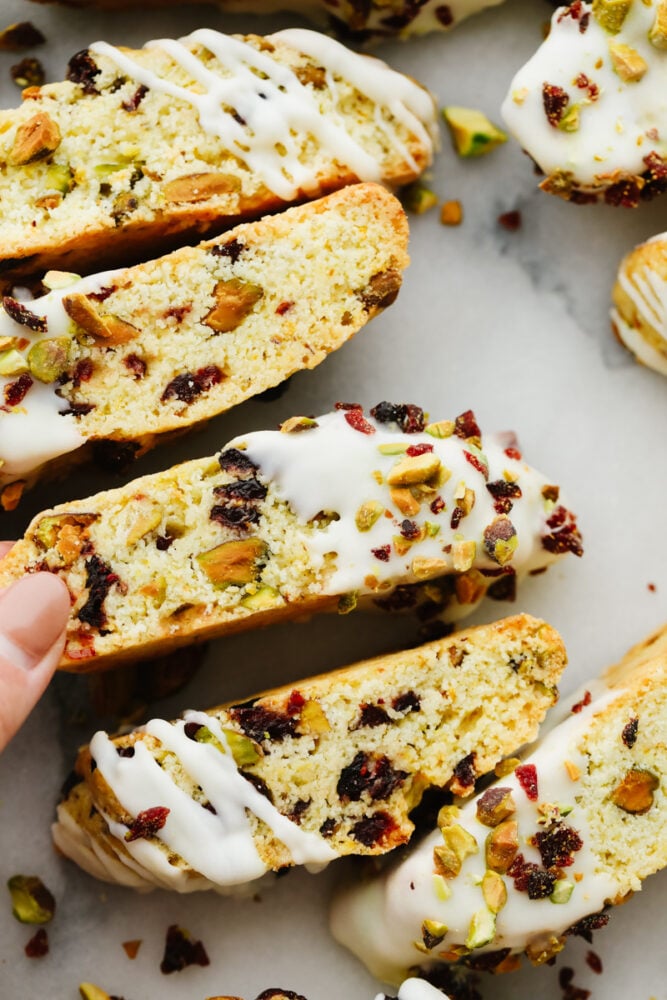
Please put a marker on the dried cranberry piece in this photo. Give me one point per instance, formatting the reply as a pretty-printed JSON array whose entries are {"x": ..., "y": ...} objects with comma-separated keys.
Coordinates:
[
  {"x": 418, "y": 449},
  {"x": 554, "y": 100},
  {"x": 187, "y": 386},
  {"x": 328, "y": 828},
  {"x": 347, "y": 406},
  {"x": 83, "y": 69},
  {"x": 358, "y": 422},
  {"x": 570, "y": 991},
  {"x": 401, "y": 598},
  {"x": 513, "y": 453},
  {"x": 370, "y": 773},
  {"x": 565, "y": 535},
  {"x": 625, "y": 193},
  {"x": 457, "y": 514},
  {"x": 264, "y": 724},
  {"x": 503, "y": 589},
  {"x": 125, "y": 751},
  {"x": 99, "y": 581},
  {"x": 437, "y": 506},
  {"x": 244, "y": 490},
  {"x": 530, "y": 878},
  {"x": 83, "y": 372},
  {"x": 21, "y": 314},
  {"x": 526, "y": 775},
  {"x": 410, "y": 418},
  {"x": 375, "y": 829},
  {"x": 465, "y": 772},
  {"x": 629, "y": 734},
  {"x": 557, "y": 845},
  {"x": 511, "y": 221},
  {"x": 136, "y": 365},
  {"x": 38, "y": 945},
  {"x": 180, "y": 951},
  {"x": 503, "y": 493},
  {"x": 410, "y": 529},
  {"x": 655, "y": 176},
  {"x": 258, "y": 783},
  {"x": 586, "y": 700},
  {"x": 371, "y": 716},
  {"x": 162, "y": 542},
  {"x": 15, "y": 392},
  {"x": 584, "y": 928},
  {"x": 488, "y": 961},
  {"x": 382, "y": 553},
  {"x": 232, "y": 249},
  {"x": 79, "y": 410},
  {"x": 240, "y": 507},
  {"x": 594, "y": 962},
  {"x": 577, "y": 13},
  {"x": 466, "y": 426},
  {"x": 444, "y": 15},
  {"x": 147, "y": 823},
  {"x": 283, "y": 307},
  {"x": 297, "y": 810},
  {"x": 409, "y": 701},
  {"x": 476, "y": 463},
  {"x": 236, "y": 462},
  {"x": 132, "y": 103}
]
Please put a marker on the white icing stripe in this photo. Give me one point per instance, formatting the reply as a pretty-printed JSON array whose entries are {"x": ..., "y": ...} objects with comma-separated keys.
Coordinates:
[
  {"x": 381, "y": 920},
  {"x": 647, "y": 291},
  {"x": 278, "y": 110},
  {"x": 38, "y": 430},
  {"x": 416, "y": 989},
  {"x": 334, "y": 468},
  {"x": 617, "y": 130},
  {"x": 218, "y": 848}
]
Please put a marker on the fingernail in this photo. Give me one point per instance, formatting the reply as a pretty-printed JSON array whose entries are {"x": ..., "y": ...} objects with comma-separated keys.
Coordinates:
[{"x": 33, "y": 614}]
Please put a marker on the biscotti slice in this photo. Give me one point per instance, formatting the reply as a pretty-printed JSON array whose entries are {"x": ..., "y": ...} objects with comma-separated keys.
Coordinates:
[
  {"x": 639, "y": 316},
  {"x": 590, "y": 107},
  {"x": 120, "y": 357},
  {"x": 574, "y": 827},
  {"x": 373, "y": 20},
  {"x": 313, "y": 517},
  {"x": 327, "y": 768},
  {"x": 188, "y": 137}
]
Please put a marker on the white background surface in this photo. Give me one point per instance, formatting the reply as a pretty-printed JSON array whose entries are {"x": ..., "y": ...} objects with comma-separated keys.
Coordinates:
[{"x": 513, "y": 325}]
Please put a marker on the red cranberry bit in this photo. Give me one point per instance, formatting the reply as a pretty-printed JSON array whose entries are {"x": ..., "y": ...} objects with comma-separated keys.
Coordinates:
[
  {"x": 410, "y": 529},
  {"x": 99, "y": 580},
  {"x": 629, "y": 734},
  {"x": 565, "y": 535},
  {"x": 465, "y": 772},
  {"x": 555, "y": 100},
  {"x": 527, "y": 777},
  {"x": 586, "y": 700},
  {"x": 328, "y": 828},
  {"x": 476, "y": 463},
  {"x": 15, "y": 392},
  {"x": 180, "y": 951},
  {"x": 409, "y": 701},
  {"x": 178, "y": 312},
  {"x": 625, "y": 194},
  {"x": 583, "y": 83},
  {"x": 189, "y": 385},
  {"x": 511, "y": 221},
  {"x": 283, "y": 308},
  {"x": 295, "y": 702},
  {"x": 83, "y": 372},
  {"x": 577, "y": 13},
  {"x": 418, "y": 449},
  {"x": 358, "y": 422},
  {"x": 239, "y": 508},
  {"x": 83, "y": 69},
  {"x": 444, "y": 15},
  {"x": 594, "y": 962},
  {"x": 297, "y": 810},
  {"x": 372, "y": 773},
  {"x": 383, "y": 553},
  {"x": 513, "y": 453},
  {"x": 466, "y": 426},
  {"x": 457, "y": 515},
  {"x": 584, "y": 928},
  {"x": 570, "y": 991},
  {"x": 375, "y": 829},
  {"x": 371, "y": 716},
  {"x": 21, "y": 314},
  {"x": 348, "y": 406},
  {"x": 136, "y": 365},
  {"x": 236, "y": 462},
  {"x": 651, "y": 587},
  {"x": 147, "y": 823},
  {"x": 263, "y": 723},
  {"x": 557, "y": 845},
  {"x": 437, "y": 506},
  {"x": 530, "y": 878},
  {"x": 38, "y": 945},
  {"x": 410, "y": 418},
  {"x": 132, "y": 103},
  {"x": 232, "y": 249},
  {"x": 503, "y": 589}
]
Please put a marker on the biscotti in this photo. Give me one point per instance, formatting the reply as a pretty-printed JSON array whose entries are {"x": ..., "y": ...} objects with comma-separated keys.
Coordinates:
[
  {"x": 118, "y": 358},
  {"x": 573, "y": 828},
  {"x": 590, "y": 107},
  {"x": 639, "y": 316},
  {"x": 326, "y": 768},
  {"x": 184, "y": 138},
  {"x": 362, "y": 22},
  {"x": 317, "y": 516}
]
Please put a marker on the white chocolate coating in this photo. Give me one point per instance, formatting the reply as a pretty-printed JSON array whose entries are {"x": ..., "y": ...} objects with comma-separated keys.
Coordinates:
[
  {"x": 277, "y": 108},
  {"x": 618, "y": 129},
  {"x": 335, "y": 468},
  {"x": 416, "y": 989},
  {"x": 647, "y": 290},
  {"x": 380, "y": 921}
]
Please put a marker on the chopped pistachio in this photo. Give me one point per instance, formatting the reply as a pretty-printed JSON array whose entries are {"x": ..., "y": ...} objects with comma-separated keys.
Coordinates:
[
  {"x": 146, "y": 521},
  {"x": 658, "y": 33},
  {"x": 451, "y": 213},
  {"x": 418, "y": 199},
  {"x": 347, "y": 602},
  {"x": 482, "y": 929},
  {"x": 432, "y": 529},
  {"x": 495, "y": 805},
  {"x": 627, "y": 62},
  {"x": 12, "y": 362},
  {"x": 458, "y": 844},
  {"x": 494, "y": 891},
  {"x": 414, "y": 469},
  {"x": 59, "y": 279},
  {"x": 35, "y": 139},
  {"x": 422, "y": 568},
  {"x": 405, "y": 500},
  {"x": 244, "y": 750},
  {"x": 263, "y": 598},
  {"x": 59, "y": 177},
  {"x": 47, "y": 530},
  {"x": 441, "y": 887},
  {"x": 562, "y": 891},
  {"x": 48, "y": 359},
  {"x": 234, "y": 300},
  {"x": 294, "y": 424},
  {"x": 235, "y": 563},
  {"x": 447, "y": 816},
  {"x": 463, "y": 555},
  {"x": 472, "y": 132},
  {"x": 89, "y": 991},
  {"x": 611, "y": 13},
  {"x": 571, "y": 119},
  {"x": 634, "y": 794},
  {"x": 313, "y": 720},
  {"x": 544, "y": 949},
  {"x": 32, "y": 903},
  {"x": 501, "y": 846},
  {"x": 433, "y": 932},
  {"x": 440, "y": 429},
  {"x": 391, "y": 448},
  {"x": 368, "y": 514}
]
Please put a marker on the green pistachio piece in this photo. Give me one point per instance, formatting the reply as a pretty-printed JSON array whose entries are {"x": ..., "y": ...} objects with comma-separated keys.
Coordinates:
[
  {"x": 494, "y": 891},
  {"x": 59, "y": 279},
  {"x": 48, "y": 359},
  {"x": 368, "y": 514},
  {"x": 482, "y": 929},
  {"x": 441, "y": 887},
  {"x": 12, "y": 362},
  {"x": 392, "y": 449},
  {"x": 472, "y": 132},
  {"x": 32, "y": 903},
  {"x": 440, "y": 429},
  {"x": 457, "y": 845},
  {"x": 571, "y": 120},
  {"x": 263, "y": 598},
  {"x": 59, "y": 177},
  {"x": 244, "y": 750},
  {"x": 562, "y": 891},
  {"x": 347, "y": 602},
  {"x": 418, "y": 199},
  {"x": 89, "y": 991},
  {"x": 235, "y": 563},
  {"x": 433, "y": 933},
  {"x": 611, "y": 13}
]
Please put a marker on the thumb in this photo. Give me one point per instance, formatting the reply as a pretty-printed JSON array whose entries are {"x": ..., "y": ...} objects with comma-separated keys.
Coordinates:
[{"x": 33, "y": 616}]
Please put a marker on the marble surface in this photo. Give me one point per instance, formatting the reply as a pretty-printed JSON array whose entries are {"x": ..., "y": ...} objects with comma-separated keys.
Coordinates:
[{"x": 512, "y": 324}]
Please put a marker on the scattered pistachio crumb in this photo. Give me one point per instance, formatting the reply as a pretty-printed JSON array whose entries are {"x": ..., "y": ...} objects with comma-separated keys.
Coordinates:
[
  {"x": 451, "y": 213},
  {"x": 419, "y": 199}
]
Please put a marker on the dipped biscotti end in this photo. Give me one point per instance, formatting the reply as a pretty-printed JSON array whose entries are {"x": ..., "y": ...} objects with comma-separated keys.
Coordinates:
[
  {"x": 351, "y": 509},
  {"x": 639, "y": 314},
  {"x": 329, "y": 767},
  {"x": 142, "y": 148},
  {"x": 568, "y": 830},
  {"x": 106, "y": 364}
]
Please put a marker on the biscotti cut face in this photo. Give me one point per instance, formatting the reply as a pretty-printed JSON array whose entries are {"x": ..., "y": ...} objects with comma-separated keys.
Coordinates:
[
  {"x": 121, "y": 357},
  {"x": 571, "y": 829},
  {"x": 327, "y": 768},
  {"x": 590, "y": 107},
  {"x": 188, "y": 137},
  {"x": 280, "y": 524},
  {"x": 362, "y": 22},
  {"x": 639, "y": 316}
]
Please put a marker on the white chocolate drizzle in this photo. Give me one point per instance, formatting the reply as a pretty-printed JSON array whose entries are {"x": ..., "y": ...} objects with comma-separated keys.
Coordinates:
[
  {"x": 381, "y": 920},
  {"x": 416, "y": 989},
  {"x": 277, "y": 109},
  {"x": 214, "y": 850},
  {"x": 38, "y": 429},
  {"x": 647, "y": 290},
  {"x": 334, "y": 468},
  {"x": 626, "y": 122}
]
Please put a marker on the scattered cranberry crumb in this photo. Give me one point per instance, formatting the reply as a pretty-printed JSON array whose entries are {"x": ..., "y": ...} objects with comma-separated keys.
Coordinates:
[
  {"x": 570, "y": 991},
  {"x": 586, "y": 700},
  {"x": 629, "y": 734},
  {"x": 283, "y": 308},
  {"x": 476, "y": 463},
  {"x": 382, "y": 553},
  {"x": 38, "y": 945},
  {"x": 510, "y": 220},
  {"x": 594, "y": 962},
  {"x": 466, "y": 426},
  {"x": 410, "y": 529},
  {"x": 651, "y": 587},
  {"x": 147, "y": 823},
  {"x": 554, "y": 100},
  {"x": 295, "y": 702},
  {"x": 180, "y": 951},
  {"x": 131, "y": 948},
  {"x": 15, "y": 392},
  {"x": 358, "y": 422},
  {"x": 348, "y": 406},
  {"x": 514, "y": 453},
  {"x": 527, "y": 777},
  {"x": 418, "y": 449},
  {"x": 437, "y": 506}
]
